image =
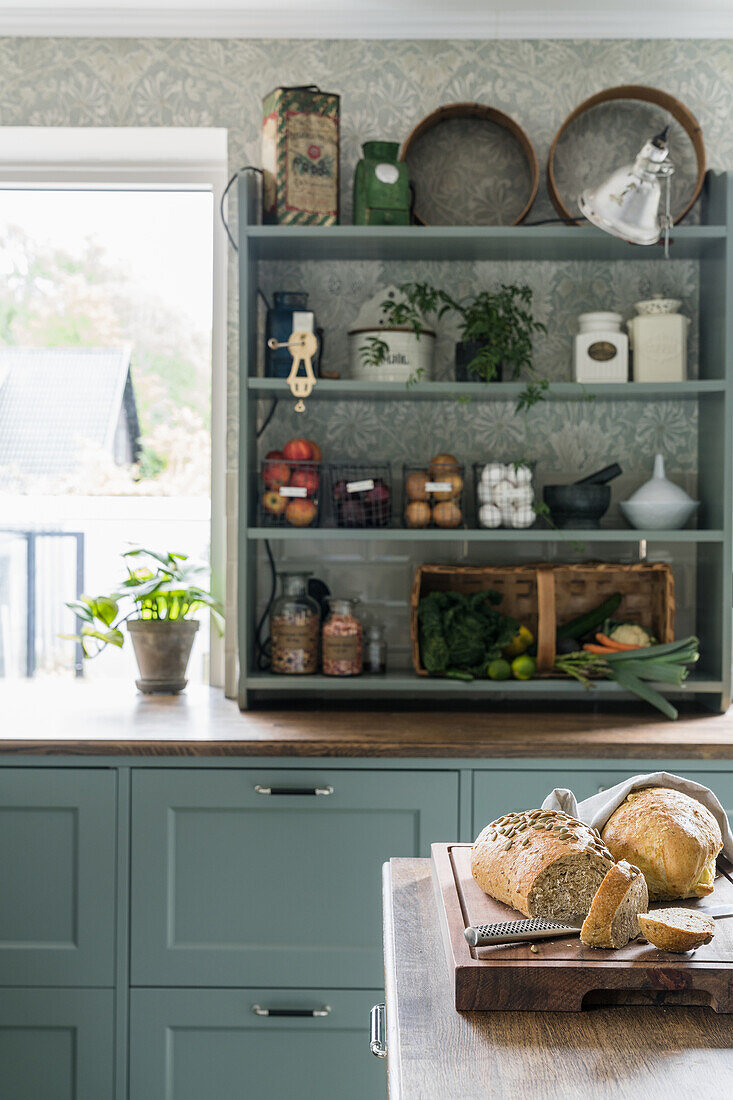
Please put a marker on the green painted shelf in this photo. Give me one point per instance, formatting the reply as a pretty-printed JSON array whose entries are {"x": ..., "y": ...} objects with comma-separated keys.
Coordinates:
[
  {"x": 708, "y": 583},
  {"x": 522, "y": 242},
  {"x": 434, "y": 534},
  {"x": 342, "y": 390},
  {"x": 410, "y": 684}
]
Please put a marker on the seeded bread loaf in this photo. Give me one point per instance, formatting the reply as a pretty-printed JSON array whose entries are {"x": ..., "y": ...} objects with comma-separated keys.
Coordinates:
[
  {"x": 542, "y": 863},
  {"x": 677, "y": 929},
  {"x": 673, "y": 838},
  {"x": 613, "y": 919}
]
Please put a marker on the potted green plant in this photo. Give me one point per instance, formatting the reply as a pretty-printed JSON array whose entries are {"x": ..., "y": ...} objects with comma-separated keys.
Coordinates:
[
  {"x": 496, "y": 329},
  {"x": 156, "y": 600}
]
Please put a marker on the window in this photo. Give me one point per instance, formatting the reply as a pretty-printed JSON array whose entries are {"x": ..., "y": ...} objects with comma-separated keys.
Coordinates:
[{"x": 111, "y": 377}]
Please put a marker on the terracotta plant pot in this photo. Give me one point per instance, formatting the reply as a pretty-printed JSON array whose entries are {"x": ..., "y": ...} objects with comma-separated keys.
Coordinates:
[
  {"x": 162, "y": 650},
  {"x": 466, "y": 352}
]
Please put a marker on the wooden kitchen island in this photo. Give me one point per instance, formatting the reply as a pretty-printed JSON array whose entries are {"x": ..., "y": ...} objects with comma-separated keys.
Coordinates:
[{"x": 648, "y": 1052}]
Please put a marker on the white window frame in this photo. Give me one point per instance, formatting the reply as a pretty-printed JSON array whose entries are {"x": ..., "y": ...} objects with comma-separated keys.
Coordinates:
[{"x": 142, "y": 158}]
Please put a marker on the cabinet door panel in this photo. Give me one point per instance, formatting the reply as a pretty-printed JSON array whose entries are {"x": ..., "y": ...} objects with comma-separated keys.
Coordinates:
[
  {"x": 496, "y": 792},
  {"x": 235, "y": 887},
  {"x": 207, "y": 1043},
  {"x": 56, "y": 1044},
  {"x": 57, "y": 870}
]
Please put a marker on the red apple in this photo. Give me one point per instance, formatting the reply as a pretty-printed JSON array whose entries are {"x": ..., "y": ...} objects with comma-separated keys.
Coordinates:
[
  {"x": 316, "y": 453},
  {"x": 274, "y": 454},
  {"x": 305, "y": 479},
  {"x": 273, "y": 503},
  {"x": 340, "y": 492},
  {"x": 297, "y": 450},
  {"x": 301, "y": 512},
  {"x": 275, "y": 474}
]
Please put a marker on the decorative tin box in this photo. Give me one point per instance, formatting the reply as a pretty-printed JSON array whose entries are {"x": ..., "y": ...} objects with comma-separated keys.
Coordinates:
[{"x": 300, "y": 157}]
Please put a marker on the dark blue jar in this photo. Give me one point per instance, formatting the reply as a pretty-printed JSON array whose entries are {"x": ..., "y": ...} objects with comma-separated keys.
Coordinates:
[{"x": 280, "y": 326}]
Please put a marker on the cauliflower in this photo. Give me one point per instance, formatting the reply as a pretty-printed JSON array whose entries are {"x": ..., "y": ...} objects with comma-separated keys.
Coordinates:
[{"x": 631, "y": 634}]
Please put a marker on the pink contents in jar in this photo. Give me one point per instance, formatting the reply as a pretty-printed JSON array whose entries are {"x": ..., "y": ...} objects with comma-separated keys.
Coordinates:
[{"x": 342, "y": 640}]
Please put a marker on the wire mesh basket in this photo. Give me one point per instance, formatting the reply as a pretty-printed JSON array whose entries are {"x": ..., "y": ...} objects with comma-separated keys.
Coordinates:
[
  {"x": 504, "y": 494},
  {"x": 360, "y": 494},
  {"x": 434, "y": 495},
  {"x": 289, "y": 493}
]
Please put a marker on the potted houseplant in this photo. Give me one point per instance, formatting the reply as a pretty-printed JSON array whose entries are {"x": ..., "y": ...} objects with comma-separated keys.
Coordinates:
[
  {"x": 496, "y": 328},
  {"x": 156, "y": 600}
]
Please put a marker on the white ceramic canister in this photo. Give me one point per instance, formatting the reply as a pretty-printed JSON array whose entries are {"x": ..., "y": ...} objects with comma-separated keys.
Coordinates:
[
  {"x": 658, "y": 339},
  {"x": 408, "y": 356},
  {"x": 601, "y": 349}
]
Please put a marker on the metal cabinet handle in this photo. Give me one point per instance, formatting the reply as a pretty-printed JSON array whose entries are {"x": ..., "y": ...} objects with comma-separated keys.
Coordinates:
[
  {"x": 259, "y": 1011},
  {"x": 299, "y": 791},
  {"x": 377, "y": 1036}
]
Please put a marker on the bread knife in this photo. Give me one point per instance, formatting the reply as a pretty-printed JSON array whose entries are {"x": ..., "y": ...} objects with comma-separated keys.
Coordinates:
[{"x": 541, "y": 928}]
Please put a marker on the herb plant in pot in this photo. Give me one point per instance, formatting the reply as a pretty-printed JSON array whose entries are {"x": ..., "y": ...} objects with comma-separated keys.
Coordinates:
[
  {"x": 496, "y": 328},
  {"x": 156, "y": 600}
]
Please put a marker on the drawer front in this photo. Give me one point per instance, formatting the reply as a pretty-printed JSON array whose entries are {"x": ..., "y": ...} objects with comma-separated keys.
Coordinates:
[
  {"x": 56, "y": 1044},
  {"x": 234, "y": 886},
  {"x": 208, "y": 1043},
  {"x": 57, "y": 870},
  {"x": 496, "y": 792}
]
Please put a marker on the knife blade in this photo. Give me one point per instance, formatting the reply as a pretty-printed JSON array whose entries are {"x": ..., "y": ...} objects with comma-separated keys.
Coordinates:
[{"x": 541, "y": 928}]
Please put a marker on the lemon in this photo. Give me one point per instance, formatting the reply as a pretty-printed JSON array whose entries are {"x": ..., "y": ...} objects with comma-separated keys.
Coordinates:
[
  {"x": 523, "y": 667},
  {"x": 499, "y": 669},
  {"x": 521, "y": 642}
]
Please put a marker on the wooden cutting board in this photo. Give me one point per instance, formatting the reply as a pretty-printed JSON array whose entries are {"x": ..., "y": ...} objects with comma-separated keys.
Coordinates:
[{"x": 564, "y": 975}]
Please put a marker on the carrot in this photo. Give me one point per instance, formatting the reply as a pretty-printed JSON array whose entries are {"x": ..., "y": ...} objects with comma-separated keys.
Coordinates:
[
  {"x": 620, "y": 647},
  {"x": 603, "y": 649}
]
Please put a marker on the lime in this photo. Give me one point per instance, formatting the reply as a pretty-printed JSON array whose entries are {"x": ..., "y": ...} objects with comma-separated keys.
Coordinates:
[
  {"x": 499, "y": 669},
  {"x": 521, "y": 641},
  {"x": 523, "y": 668}
]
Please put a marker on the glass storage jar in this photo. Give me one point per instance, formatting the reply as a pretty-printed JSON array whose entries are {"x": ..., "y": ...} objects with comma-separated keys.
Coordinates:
[
  {"x": 342, "y": 639},
  {"x": 375, "y": 650},
  {"x": 294, "y": 623}
]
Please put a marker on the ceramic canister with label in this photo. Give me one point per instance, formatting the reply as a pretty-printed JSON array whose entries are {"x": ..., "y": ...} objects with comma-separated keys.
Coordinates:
[
  {"x": 601, "y": 350},
  {"x": 658, "y": 337}
]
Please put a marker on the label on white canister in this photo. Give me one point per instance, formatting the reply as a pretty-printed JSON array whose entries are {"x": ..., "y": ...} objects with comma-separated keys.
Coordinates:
[{"x": 602, "y": 351}]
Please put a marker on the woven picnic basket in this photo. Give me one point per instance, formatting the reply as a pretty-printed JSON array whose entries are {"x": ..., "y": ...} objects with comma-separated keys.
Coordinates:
[{"x": 543, "y": 597}]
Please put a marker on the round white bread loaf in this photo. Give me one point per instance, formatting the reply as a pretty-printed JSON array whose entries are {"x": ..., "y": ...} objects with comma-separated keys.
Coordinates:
[
  {"x": 613, "y": 919},
  {"x": 677, "y": 929},
  {"x": 542, "y": 863},
  {"x": 673, "y": 839}
]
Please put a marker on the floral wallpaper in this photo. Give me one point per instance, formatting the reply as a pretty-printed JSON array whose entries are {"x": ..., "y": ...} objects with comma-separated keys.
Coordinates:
[{"x": 386, "y": 88}]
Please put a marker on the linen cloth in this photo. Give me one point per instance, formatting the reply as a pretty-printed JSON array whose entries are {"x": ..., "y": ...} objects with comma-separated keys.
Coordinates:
[{"x": 597, "y": 809}]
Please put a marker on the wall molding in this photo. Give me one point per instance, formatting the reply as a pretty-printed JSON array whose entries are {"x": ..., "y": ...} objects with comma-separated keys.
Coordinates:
[{"x": 365, "y": 20}]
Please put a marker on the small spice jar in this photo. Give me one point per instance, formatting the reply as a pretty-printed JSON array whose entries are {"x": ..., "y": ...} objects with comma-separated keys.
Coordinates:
[
  {"x": 342, "y": 639},
  {"x": 375, "y": 650},
  {"x": 294, "y": 623}
]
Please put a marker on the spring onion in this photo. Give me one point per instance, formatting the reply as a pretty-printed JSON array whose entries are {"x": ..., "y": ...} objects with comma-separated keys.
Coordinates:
[{"x": 633, "y": 669}]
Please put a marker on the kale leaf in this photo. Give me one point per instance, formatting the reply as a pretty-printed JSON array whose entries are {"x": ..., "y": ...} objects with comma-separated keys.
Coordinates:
[{"x": 461, "y": 635}]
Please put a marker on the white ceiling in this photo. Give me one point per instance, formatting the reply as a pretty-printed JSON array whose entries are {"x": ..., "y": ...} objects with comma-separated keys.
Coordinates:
[{"x": 466, "y": 19}]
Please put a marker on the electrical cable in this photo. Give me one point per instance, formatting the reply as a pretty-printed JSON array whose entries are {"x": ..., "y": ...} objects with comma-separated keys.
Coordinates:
[
  {"x": 268, "y": 418},
  {"x": 222, "y": 200},
  {"x": 263, "y": 650}
]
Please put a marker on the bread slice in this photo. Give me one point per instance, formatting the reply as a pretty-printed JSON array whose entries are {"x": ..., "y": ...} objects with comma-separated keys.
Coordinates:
[
  {"x": 613, "y": 917},
  {"x": 542, "y": 863},
  {"x": 677, "y": 929}
]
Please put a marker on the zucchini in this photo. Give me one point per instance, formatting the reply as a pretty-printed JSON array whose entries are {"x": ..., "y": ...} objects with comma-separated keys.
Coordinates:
[{"x": 590, "y": 620}]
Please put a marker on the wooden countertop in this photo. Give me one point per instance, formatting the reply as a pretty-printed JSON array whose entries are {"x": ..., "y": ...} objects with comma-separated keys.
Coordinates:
[
  {"x": 96, "y": 718},
  {"x": 615, "y": 1053}
]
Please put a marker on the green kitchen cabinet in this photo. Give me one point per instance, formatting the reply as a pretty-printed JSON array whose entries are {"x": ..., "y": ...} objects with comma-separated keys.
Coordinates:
[
  {"x": 56, "y": 1044},
  {"x": 248, "y": 877},
  {"x": 210, "y": 1044},
  {"x": 57, "y": 876},
  {"x": 495, "y": 792}
]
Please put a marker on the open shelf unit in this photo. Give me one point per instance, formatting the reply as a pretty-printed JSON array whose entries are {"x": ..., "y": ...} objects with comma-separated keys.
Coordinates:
[{"x": 712, "y": 543}]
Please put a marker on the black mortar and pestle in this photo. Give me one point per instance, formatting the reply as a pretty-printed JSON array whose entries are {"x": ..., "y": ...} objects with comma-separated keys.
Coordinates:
[{"x": 584, "y": 502}]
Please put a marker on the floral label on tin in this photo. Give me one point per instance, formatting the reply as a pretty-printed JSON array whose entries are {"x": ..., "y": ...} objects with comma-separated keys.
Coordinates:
[{"x": 311, "y": 163}]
